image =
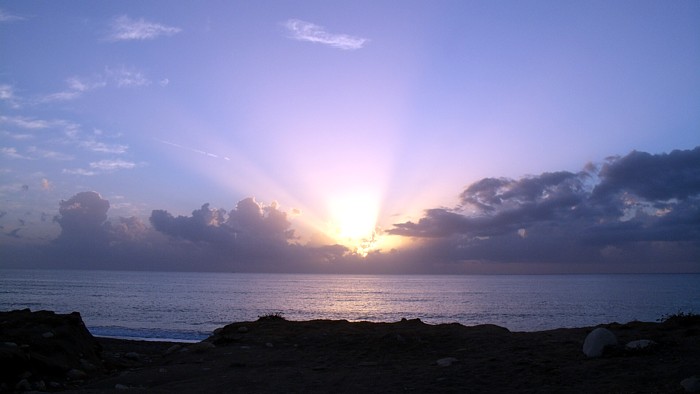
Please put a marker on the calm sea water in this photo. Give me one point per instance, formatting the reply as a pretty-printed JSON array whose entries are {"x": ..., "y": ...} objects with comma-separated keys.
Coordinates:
[{"x": 189, "y": 306}]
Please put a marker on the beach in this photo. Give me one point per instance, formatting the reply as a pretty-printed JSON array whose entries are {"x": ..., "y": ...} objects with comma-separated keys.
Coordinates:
[{"x": 273, "y": 354}]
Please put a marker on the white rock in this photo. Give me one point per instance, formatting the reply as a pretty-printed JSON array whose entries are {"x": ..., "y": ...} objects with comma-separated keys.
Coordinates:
[
  {"x": 597, "y": 340},
  {"x": 47, "y": 334},
  {"x": 691, "y": 384},
  {"x": 269, "y": 344},
  {"x": 121, "y": 386},
  {"x": 446, "y": 362},
  {"x": 639, "y": 344}
]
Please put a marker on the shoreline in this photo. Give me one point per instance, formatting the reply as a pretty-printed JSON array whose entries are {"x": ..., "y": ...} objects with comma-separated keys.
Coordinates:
[{"x": 272, "y": 354}]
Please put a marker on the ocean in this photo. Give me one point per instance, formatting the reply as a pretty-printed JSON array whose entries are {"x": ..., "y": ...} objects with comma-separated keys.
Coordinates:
[{"x": 189, "y": 306}]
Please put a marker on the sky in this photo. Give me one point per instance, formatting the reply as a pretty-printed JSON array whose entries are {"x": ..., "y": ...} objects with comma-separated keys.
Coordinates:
[{"x": 351, "y": 137}]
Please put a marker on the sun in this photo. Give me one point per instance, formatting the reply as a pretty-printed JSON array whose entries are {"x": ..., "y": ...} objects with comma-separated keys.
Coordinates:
[{"x": 353, "y": 221}]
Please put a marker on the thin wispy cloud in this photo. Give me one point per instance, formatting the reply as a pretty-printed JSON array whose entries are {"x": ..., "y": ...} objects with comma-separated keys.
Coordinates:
[
  {"x": 7, "y": 95},
  {"x": 121, "y": 77},
  {"x": 307, "y": 31},
  {"x": 124, "y": 28},
  {"x": 8, "y": 17},
  {"x": 25, "y": 123},
  {"x": 124, "y": 77},
  {"x": 101, "y": 147},
  {"x": 11, "y": 153},
  {"x": 112, "y": 165}
]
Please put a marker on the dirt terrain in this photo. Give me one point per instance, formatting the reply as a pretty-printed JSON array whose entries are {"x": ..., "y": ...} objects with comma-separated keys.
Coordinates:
[{"x": 276, "y": 355}]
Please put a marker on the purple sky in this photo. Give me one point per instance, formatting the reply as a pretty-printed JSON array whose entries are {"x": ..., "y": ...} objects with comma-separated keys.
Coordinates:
[{"x": 446, "y": 137}]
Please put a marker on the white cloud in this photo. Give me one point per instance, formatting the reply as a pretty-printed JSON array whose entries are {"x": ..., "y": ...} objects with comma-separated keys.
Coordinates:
[
  {"x": 123, "y": 77},
  {"x": 79, "y": 171},
  {"x": 48, "y": 154},
  {"x": 11, "y": 153},
  {"x": 76, "y": 87},
  {"x": 25, "y": 123},
  {"x": 7, "y": 17},
  {"x": 111, "y": 165},
  {"x": 306, "y": 31},
  {"x": 101, "y": 147},
  {"x": 124, "y": 28},
  {"x": 7, "y": 92}
]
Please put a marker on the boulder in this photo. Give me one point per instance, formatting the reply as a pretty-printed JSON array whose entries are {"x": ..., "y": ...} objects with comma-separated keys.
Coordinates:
[{"x": 597, "y": 340}]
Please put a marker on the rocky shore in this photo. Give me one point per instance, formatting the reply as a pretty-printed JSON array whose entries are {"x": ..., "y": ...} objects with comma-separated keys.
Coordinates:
[{"x": 45, "y": 352}]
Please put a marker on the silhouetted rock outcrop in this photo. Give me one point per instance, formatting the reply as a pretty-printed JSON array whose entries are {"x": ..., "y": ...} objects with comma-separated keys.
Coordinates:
[{"x": 45, "y": 348}]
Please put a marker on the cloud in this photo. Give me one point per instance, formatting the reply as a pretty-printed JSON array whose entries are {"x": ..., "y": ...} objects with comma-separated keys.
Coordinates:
[
  {"x": 82, "y": 219},
  {"x": 11, "y": 153},
  {"x": 102, "y": 147},
  {"x": 306, "y": 31},
  {"x": 6, "y": 17},
  {"x": 641, "y": 205},
  {"x": 112, "y": 165},
  {"x": 120, "y": 77},
  {"x": 250, "y": 223},
  {"x": 38, "y": 153},
  {"x": 124, "y": 77},
  {"x": 639, "y": 212},
  {"x": 25, "y": 123},
  {"x": 124, "y": 28}
]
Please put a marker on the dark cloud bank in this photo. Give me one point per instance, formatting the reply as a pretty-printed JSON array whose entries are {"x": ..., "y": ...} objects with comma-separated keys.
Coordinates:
[{"x": 637, "y": 213}]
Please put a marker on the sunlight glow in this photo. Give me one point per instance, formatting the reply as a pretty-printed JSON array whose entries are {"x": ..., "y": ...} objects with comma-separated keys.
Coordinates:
[{"x": 353, "y": 220}]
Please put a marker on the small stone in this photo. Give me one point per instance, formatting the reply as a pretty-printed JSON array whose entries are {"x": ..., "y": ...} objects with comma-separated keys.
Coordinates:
[
  {"x": 162, "y": 370},
  {"x": 9, "y": 344},
  {"x": 691, "y": 384},
  {"x": 269, "y": 344},
  {"x": 23, "y": 385},
  {"x": 201, "y": 346},
  {"x": 87, "y": 365},
  {"x": 47, "y": 334},
  {"x": 597, "y": 340},
  {"x": 120, "y": 386},
  {"x": 446, "y": 362},
  {"x": 173, "y": 349},
  {"x": 76, "y": 374},
  {"x": 133, "y": 356},
  {"x": 640, "y": 344},
  {"x": 243, "y": 329},
  {"x": 55, "y": 385},
  {"x": 367, "y": 364},
  {"x": 39, "y": 386}
]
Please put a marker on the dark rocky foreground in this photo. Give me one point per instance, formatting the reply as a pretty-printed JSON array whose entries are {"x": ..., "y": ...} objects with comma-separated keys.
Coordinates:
[{"x": 43, "y": 351}]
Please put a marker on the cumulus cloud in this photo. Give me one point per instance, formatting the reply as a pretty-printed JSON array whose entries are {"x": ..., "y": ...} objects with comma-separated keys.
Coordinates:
[
  {"x": 124, "y": 28},
  {"x": 250, "y": 222},
  {"x": 82, "y": 219},
  {"x": 632, "y": 213},
  {"x": 306, "y": 31},
  {"x": 641, "y": 205}
]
